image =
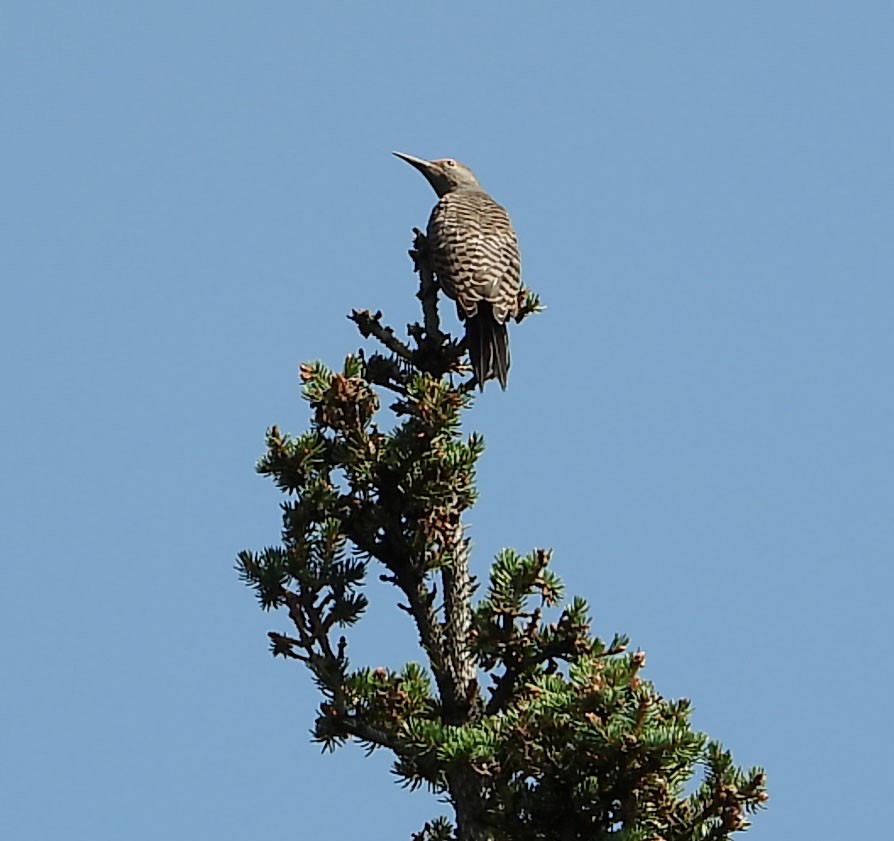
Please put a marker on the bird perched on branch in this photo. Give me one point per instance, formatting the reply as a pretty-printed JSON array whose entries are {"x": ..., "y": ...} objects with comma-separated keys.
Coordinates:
[{"x": 474, "y": 253}]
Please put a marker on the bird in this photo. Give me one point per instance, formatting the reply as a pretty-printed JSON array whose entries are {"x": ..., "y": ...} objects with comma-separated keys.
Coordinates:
[{"x": 474, "y": 253}]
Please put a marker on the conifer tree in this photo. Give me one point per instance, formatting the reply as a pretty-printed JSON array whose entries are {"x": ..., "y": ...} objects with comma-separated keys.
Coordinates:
[{"x": 533, "y": 728}]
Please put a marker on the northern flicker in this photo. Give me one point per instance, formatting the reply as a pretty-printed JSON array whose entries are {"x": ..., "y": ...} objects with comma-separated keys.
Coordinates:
[{"x": 474, "y": 253}]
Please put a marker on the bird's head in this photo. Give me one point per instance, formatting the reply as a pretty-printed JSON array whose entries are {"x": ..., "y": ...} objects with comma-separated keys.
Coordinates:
[{"x": 444, "y": 175}]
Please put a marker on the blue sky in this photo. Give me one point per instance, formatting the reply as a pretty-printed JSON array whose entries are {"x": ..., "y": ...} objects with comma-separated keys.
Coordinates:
[{"x": 194, "y": 196}]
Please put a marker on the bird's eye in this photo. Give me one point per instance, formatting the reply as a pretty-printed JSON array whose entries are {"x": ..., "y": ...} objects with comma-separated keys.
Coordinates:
[{"x": 450, "y": 163}]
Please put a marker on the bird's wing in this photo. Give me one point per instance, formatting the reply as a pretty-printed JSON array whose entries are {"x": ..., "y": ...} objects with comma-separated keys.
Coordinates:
[{"x": 475, "y": 253}]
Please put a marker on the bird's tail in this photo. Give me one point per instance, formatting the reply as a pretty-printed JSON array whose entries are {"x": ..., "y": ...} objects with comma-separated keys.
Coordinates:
[{"x": 488, "y": 342}]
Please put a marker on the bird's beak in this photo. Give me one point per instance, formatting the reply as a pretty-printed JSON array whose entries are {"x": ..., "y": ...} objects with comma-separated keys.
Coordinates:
[
  {"x": 430, "y": 169},
  {"x": 421, "y": 164}
]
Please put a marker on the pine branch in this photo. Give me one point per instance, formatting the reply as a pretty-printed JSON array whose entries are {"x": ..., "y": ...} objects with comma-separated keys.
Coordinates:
[
  {"x": 336, "y": 722},
  {"x": 461, "y": 699},
  {"x": 428, "y": 289},
  {"x": 370, "y": 324},
  {"x": 406, "y": 577}
]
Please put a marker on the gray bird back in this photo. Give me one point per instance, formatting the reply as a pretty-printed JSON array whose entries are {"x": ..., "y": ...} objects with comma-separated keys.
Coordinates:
[{"x": 475, "y": 252}]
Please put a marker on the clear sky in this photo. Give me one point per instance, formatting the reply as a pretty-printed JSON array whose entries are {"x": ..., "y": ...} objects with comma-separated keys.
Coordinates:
[{"x": 701, "y": 424}]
